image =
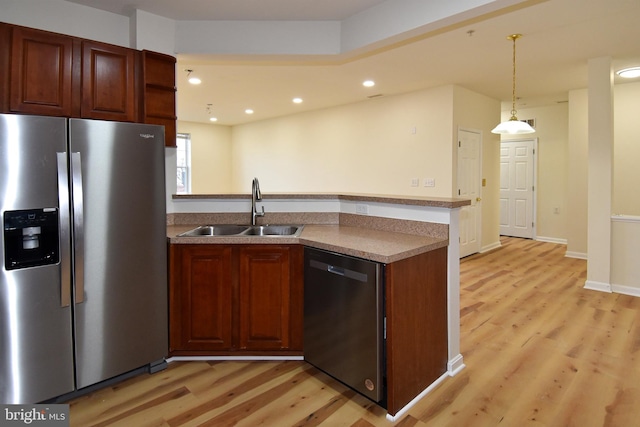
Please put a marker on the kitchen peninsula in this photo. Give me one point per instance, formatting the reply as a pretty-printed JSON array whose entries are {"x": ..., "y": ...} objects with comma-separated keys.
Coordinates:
[{"x": 415, "y": 238}]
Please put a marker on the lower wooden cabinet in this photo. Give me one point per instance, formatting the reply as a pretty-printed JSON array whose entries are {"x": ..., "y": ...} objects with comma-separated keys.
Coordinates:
[
  {"x": 416, "y": 311},
  {"x": 235, "y": 299},
  {"x": 201, "y": 295},
  {"x": 230, "y": 300}
]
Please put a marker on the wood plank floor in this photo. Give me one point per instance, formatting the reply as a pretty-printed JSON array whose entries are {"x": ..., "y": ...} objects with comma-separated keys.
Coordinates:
[{"x": 539, "y": 351}]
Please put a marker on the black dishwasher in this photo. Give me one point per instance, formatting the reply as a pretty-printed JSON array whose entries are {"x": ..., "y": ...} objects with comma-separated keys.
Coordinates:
[{"x": 344, "y": 320}]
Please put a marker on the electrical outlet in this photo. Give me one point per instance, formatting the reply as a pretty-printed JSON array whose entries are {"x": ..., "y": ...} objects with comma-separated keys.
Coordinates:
[
  {"x": 362, "y": 209},
  {"x": 415, "y": 182},
  {"x": 429, "y": 182}
]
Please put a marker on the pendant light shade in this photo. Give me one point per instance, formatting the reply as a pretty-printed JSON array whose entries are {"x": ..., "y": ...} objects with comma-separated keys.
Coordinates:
[{"x": 513, "y": 126}]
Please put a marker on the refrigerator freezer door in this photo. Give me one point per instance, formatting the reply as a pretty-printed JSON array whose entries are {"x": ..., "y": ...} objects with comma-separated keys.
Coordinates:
[
  {"x": 121, "y": 323},
  {"x": 36, "y": 358}
]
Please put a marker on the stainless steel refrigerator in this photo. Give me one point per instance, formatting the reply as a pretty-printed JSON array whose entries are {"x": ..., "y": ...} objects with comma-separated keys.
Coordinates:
[{"x": 83, "y": 285}]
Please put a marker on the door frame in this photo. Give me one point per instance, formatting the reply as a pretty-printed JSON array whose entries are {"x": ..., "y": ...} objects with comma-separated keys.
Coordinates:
[{"x": 534, "y": 180}]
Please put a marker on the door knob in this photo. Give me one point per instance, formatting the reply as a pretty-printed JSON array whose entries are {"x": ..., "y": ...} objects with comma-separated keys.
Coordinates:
[{"x": 478, "y": 199}]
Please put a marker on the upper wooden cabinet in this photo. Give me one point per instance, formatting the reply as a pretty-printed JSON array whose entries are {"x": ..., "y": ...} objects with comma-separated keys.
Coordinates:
[
  {"x": 52, "y": 74},
  {"x": 108, "y": 82},
  {"x": 41, "y": 73},
  {"x": 159, "y": 93}
]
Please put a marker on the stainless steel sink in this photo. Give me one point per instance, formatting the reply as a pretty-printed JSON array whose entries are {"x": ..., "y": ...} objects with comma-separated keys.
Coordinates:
[
  {"x": 215, "y": 230},
  {"x": 244, "y": 230},
  {"x": 273, "y": 230}
]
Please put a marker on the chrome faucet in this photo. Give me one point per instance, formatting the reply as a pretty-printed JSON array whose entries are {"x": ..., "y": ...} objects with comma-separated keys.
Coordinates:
[{"x": 255, "y": 196}]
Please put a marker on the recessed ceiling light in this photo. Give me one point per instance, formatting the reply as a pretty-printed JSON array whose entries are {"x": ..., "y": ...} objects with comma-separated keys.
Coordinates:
[
  {"x": 213, "y": 119},
  {"x": 368, "y": 83},
  {"x": 248, "y": 111},
  {"x": 297, "y": 100},
  {"x": 629, "y": 73}
]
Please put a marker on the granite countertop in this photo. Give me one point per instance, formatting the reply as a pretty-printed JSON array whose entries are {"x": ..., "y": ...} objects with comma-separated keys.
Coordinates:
[
  {"x": 379, "y": 246},
  {"x": 438, "y": 202}
]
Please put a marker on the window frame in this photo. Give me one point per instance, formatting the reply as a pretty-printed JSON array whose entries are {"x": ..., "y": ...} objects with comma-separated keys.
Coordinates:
[{"x": 183, "y": 150}]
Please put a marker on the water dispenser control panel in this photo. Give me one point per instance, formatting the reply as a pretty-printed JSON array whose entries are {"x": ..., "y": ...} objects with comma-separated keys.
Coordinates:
[{"x": 31, "y": 238}]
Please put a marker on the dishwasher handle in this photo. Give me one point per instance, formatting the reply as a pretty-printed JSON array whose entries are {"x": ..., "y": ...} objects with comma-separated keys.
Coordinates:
[
  {"x": 340, "y": 271},
  {"x": 336, "y": 270}
]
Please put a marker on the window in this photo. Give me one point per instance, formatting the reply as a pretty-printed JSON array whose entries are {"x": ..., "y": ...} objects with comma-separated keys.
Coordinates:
[{"x": 183, "y": 155}]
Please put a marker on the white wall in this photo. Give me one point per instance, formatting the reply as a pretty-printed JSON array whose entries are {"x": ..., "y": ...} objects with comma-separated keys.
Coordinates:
[
  {"x": 67, "y": 18},
  {"x": 626, "y": 150},
  {"x": 626, "y": 154},
  {"x": 577, "y": 174},
  {"x": 211, "y": 166},
  {"x": 625, "y": 247},
  {"x": 552, "y": 132},
  {"x": 625, "y": 229},
  {"x": 375, "y": 146},
  {"x": 473, "y": 111}
]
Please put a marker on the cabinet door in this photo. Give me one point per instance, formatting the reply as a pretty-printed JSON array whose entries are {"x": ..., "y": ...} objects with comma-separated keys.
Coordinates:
[
  {"x": 201, "y": 298},
  {"x": 270, "y": 297},
  {"x": 41, "y": 73},
  {"x": 416, "y": 310},
  {"x": 108, "y": 82},
  {"x": 5, "y": 66}
]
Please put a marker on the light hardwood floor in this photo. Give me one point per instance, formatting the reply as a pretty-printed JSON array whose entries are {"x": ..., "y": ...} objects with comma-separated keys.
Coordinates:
[{"x": 539, "y": 351}]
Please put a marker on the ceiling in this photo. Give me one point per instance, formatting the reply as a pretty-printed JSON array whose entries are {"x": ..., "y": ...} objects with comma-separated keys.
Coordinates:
[{"x": 559, "y": 38}]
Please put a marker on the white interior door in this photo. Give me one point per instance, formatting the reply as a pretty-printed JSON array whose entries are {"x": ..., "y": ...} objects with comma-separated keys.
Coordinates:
[
  {"x": 469, "y": 187},
  {"x": 517, "y": 160}
]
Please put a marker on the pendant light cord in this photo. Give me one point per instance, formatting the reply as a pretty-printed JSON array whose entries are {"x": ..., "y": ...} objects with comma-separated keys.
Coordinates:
[{"x": 513, "y": 38}]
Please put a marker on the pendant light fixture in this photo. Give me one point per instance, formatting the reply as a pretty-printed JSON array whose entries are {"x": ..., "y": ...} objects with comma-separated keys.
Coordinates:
[
  {"x": 513, "y": 126},
  {"x": 194, "y": 80}
]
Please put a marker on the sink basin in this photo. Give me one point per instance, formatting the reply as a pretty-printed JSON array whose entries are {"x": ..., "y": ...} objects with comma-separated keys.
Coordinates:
[
  {"x": 214, "y": 230},
  {"x": 273, "y": 230},
  {"x": 244, "y": 230}
]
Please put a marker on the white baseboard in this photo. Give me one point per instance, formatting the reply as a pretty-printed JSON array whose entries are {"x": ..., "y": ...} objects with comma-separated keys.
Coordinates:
[
  {"x": 551, "y": 240},
  {"x": 491, "y": 247},
  {"x": 625, "y": 290},
  {"x": 415, "y": 400},
  {"x": 612, "y": 288},
  {"x": 578, "y": 255},
  {"x": 455, "y": 365},
  {"x": 597, "y": 286}
]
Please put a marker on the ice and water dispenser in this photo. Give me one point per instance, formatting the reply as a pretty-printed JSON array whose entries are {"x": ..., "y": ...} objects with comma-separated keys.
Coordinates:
[{"x": 30, "y": 238}]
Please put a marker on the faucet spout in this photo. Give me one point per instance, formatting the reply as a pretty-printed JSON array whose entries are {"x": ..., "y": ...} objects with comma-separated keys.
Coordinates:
[{"x": 256, "y": 195}]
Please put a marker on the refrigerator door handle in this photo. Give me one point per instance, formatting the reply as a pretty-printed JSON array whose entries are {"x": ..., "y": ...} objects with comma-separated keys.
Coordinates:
[
  {"x": 78, "y": 225},
  {"x": 65, "y": 239}
]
